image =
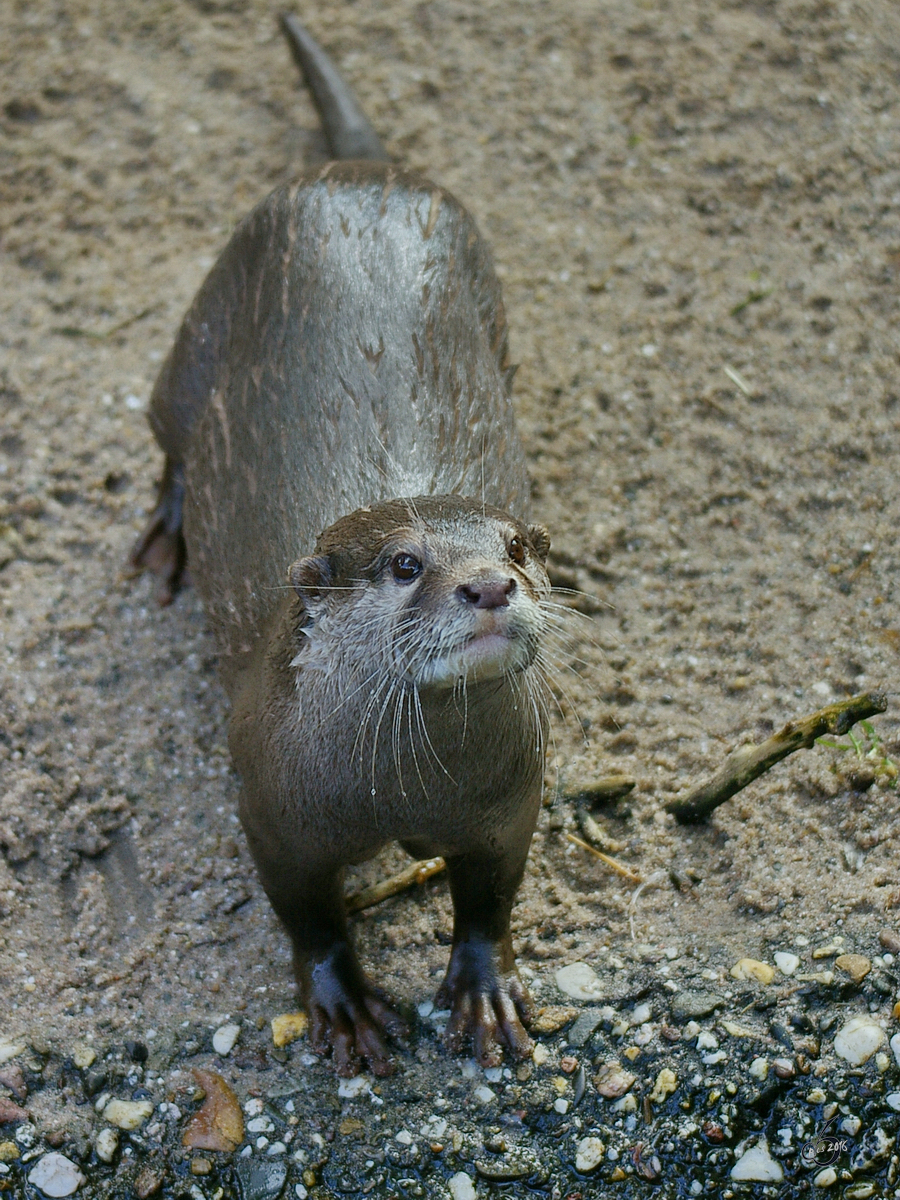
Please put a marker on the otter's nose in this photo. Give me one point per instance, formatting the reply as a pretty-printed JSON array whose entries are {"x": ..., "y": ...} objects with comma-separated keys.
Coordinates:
[{"x": 487, "y": 593}]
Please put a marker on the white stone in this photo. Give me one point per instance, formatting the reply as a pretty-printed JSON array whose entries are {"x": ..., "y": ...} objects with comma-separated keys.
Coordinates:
[
  {"x": 893, "y": 1100},
  {"x": 858, "y": 1040},
  {"x": 56, "y": 1175},
  {"x": 484, "y": 1095},
  {"x": 461, "y": 1186},
  {"x": 589, "y": 1154},
  {"x": 349, "y": 1089},
  {"x": 225, "y": 1038},
  {"x": 707, "y": 1041},
  {"x": 561, "y": 1106},
  {"x": 260, "y": 1125},
  {"x": 127, "y": 1114},
  {"x": 9, "y": 1049},
  {"x": 757, "y": 1164},
  {"x": 895, "y": 1046},
  {"x": 404, "y": 1137},
  {"x": 579, "y": 981},
  {"x": 642, "y": 1013},
  {"x": 106, "y": 1144},
  {"x": 277, "y": 1148},
  {"x": 825, "y": 1178},
  {"x": 493, "y": 1074},
  {"x": 786, "y": 962}
]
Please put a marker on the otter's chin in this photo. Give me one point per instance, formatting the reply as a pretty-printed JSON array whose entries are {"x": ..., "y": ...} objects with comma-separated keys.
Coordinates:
[{"x": 482, "y": 658}]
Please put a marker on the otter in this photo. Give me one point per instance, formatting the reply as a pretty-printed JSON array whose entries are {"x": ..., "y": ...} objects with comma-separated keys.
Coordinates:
[{"x": 345, "y": 480}]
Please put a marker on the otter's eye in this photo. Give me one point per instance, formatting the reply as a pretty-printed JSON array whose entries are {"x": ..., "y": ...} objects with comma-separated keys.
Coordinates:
[
  {"x": 516, "y": 550},
  {"x": 405, "y": 567}
]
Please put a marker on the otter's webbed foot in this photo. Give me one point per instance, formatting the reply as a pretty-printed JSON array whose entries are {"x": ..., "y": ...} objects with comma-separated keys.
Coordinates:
[
  {"x": 347, "y": 1015},
  {"x": 488, "y": 1001},
  {"x": 161, "y": 547}
]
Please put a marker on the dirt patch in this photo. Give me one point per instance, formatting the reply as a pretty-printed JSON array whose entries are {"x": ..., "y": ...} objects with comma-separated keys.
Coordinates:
[{"x": 695, "y": 211}]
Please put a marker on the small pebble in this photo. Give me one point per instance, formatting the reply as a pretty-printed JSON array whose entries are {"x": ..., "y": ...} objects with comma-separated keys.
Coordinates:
[
  {"x": 707, "y": 1040},
  {"x": 56, "y": 1175},
  {"x": 825, "y": 1178},
  {"x": 587, "y": 1022},
  {"x": 106, "y": 1144},
  {"x": 759, "y": 1068},
  {"x": 83, "y": 1056},
  {"x": 641, "y": 1014},
  {"x": 688, "y": 1005},
  {"x": 893, "y": 1100},
  {"x": 752, "y": 968},
  {"x": 665, "y": 1085},
  {"x": 404, "y": 1137},
  {"x": 461, "y": 1187},
  {"x": 127, "y": 1114},
  {"x": 589, "y": 1154},
  {"x": 829, "y": 951},
  {"x": 854, "y": 965},
  {"x": 612, "y": 1080},
  {"x": 540, "y": 1054},
  {"x": 579, "y": 981},
  {"x": 287, "y": 1028},
  {"x": 9, "y": 1152},
  {"x": 858, "y": 1040},
  {"x": 758, "y": 1165},
  {"x": 553, "y": 1017},
  {"x": 734, "y": 1030},
  {"x": 786, "y": 962},
  {"x": 895, "y": 1047},
  {"x": 484, "y": 1095},
  {"x": 349, "y": 1089},
  {"x": 225, "y": 1038},
  {"x": 201, "y": 1166},
  {"x": 561, "y": 1106}
]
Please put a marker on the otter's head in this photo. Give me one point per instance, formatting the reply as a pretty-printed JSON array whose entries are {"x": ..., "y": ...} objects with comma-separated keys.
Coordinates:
[{"x": 434, "y": 590}]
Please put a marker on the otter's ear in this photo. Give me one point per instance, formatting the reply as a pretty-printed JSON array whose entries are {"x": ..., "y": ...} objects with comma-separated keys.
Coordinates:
[
  {"x": 540, "y": 541},
  {"x": 310, "y": 576}
]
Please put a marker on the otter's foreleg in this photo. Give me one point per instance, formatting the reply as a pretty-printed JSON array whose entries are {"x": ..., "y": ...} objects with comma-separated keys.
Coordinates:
[
  {"x": 348, "y": 1016},
  {"x": 482, "y": 988}
]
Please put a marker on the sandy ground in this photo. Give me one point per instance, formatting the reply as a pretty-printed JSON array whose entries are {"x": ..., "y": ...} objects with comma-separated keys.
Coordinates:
[{"x": 695, "y": 211}]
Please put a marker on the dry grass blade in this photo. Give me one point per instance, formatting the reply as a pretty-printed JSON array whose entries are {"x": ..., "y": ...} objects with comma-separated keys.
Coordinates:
[{"x": 625, "y": 872}]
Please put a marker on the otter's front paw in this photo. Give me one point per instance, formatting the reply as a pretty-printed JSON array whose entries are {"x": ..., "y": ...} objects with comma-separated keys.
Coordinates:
[
  {"x": 488, "y": 1003},
  {"x": 349, "y": 1018}
]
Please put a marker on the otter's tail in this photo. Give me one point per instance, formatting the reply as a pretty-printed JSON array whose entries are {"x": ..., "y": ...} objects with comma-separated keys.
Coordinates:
[{"x": 347, "y": 131}]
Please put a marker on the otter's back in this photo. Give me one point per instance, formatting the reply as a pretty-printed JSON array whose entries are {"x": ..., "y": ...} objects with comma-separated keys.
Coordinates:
[{"x": 349, "y": 346}]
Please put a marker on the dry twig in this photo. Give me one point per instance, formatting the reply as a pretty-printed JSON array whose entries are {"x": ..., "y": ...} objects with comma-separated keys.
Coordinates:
[
  {"x": 417, "y": 872},
  {"x": 748, "y": 762}
]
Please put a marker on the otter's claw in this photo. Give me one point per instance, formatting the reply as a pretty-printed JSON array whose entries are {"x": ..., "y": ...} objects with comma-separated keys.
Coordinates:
[{"x": 487, "y": 1005}]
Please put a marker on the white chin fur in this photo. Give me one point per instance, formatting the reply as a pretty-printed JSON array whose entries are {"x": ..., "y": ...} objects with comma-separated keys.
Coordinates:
[{"x": 487, "y": 657}]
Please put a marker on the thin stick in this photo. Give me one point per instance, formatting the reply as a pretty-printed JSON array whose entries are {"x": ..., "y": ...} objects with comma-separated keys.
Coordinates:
[
  {"x": 610, "y": 862},
  {"x": 748, "y": 762},
  {"x": 418, "y": 872},
  {"x": 604, "y": 790}
]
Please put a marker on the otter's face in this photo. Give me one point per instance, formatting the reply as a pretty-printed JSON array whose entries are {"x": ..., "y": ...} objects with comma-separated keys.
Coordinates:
[{"x": 439, "y": 589}]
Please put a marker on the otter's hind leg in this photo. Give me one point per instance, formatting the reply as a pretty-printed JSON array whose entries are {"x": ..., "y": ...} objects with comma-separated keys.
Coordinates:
[{"x": 161, "y": 548}]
